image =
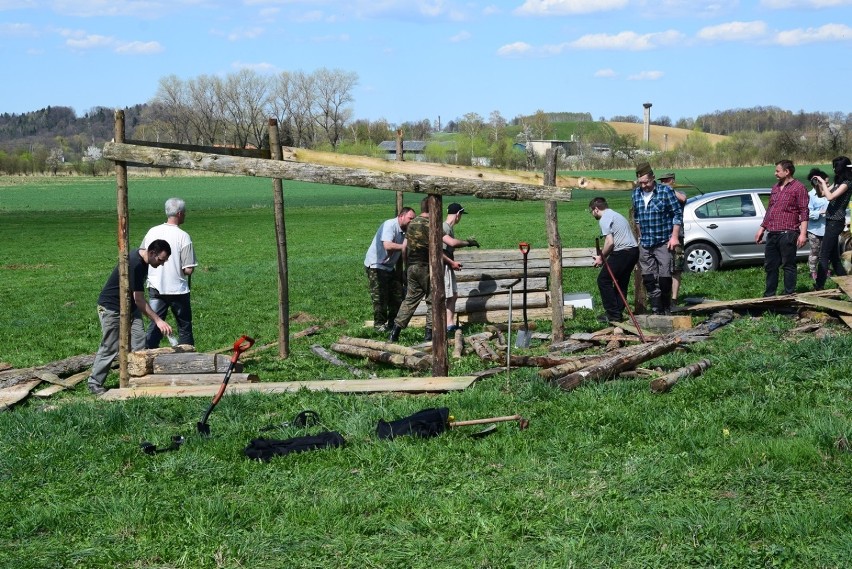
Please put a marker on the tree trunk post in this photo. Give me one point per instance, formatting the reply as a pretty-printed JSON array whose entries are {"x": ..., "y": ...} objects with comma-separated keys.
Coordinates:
[
  {"x": 125, "y": 305},
  {"x": 281, "y": 238},
  {"x": 400, "y": 155},
  {"x": 554, "y": 242},
  {"x": 440, "y": 363}
]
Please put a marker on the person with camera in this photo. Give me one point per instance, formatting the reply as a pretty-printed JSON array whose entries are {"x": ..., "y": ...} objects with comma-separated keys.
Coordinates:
[
  {"x": 816, "y": 218},
  {"x": 835, "y": 218}
]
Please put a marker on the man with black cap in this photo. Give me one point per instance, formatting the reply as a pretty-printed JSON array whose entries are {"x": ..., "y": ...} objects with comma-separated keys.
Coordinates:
[
  {"x": 451, "y": 290},
  {"x": 658, "y": 215},
  {"x": 677, "y": 255}
]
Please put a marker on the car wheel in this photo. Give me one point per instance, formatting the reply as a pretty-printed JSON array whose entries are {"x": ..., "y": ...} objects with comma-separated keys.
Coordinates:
[{"x": 700, "y": 258}]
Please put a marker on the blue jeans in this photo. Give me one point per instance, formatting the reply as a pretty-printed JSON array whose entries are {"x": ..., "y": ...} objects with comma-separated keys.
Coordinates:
[{"x": 161, "y": 303}]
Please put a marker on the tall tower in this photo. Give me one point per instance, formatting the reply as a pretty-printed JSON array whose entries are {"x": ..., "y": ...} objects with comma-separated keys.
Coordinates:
[{"x": 646, "y": 130}]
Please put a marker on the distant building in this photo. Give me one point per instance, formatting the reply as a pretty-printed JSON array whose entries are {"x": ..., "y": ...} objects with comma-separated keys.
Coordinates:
[
  {"x": 410, "y": 149},
  {"x": 540, "y": 147}
]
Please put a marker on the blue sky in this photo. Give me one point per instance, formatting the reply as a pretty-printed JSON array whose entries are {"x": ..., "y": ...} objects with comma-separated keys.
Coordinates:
[{"x": 424, "y": 59}]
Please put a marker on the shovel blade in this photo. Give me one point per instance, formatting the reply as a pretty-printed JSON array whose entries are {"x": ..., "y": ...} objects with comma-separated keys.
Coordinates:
[
  {"x": 203, "y": 428},
  {"x": 523, "y": 339}
]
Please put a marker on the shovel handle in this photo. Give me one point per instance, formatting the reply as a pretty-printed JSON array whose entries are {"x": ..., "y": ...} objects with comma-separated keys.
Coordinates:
[
  {"x": 524, "y": 247},
  {"x": 485, "y": 421},
  {"x": 242, "y": 344}
]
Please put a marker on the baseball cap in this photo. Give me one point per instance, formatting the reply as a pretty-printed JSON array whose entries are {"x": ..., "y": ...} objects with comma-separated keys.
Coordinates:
[{"x": 455, "y": 208}]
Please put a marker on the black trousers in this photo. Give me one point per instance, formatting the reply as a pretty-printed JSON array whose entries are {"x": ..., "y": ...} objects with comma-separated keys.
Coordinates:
[
  {"x": 829, "y": 252},
  {"x": 780, "y": 253},
  {"x": 621, "y": 263}
]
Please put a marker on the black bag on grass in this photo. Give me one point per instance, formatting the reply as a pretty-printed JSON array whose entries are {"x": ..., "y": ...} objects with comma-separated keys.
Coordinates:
[
  {"x": 265, "y": 449},
  {"x": 425, "y": 423}
]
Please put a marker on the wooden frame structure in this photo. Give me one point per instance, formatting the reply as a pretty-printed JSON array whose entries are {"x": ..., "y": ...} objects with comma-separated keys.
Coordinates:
[{"x": 248, "y": 162}]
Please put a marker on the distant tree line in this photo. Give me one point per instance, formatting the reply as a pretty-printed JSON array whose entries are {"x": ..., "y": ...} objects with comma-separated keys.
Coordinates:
[{"x": 314, "y": 110}]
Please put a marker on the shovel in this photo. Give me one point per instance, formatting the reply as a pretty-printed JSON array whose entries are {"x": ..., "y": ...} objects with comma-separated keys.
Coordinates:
[
  {"x": 524, "y": 334},
  {"x": 240, "y": 346}
]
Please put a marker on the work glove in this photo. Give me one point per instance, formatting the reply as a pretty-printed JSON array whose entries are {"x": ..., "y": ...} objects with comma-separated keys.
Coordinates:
[{"x": 471, "y": 242}]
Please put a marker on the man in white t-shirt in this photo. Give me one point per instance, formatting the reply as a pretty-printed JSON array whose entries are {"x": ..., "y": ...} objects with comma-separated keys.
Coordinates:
[
  {"x": 451, "y": 291},
  {"x": 168, "y": 285}
]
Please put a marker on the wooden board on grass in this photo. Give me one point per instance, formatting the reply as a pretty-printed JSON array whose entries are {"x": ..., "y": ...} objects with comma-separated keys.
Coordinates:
[
  {"x": 11, "y": 395},
  {"x": 384, "y": 385}
]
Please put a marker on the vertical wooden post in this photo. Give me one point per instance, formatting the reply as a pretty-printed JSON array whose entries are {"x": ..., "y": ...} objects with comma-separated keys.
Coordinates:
[
  {"x": 639, "y": 306},
  {"x": 440, "y": 363},
  {"x": 125, "y": 305},
  {"x": 554, "y": 242},
  {"x": 400, "y": 155},
  {"x": 281, "y": 240}
]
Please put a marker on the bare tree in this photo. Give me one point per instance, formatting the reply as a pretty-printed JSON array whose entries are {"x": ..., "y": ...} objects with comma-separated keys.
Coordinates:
[
  {"x": 171, "y": 107},
  {"x": 471, "y": 125},
  {"x": 290, "y": 102},
  {"x": 332, "y": 94},
  {"x": 497, "y": 124},
  {"x": 245, "y": 95},
  {"x": 540, "y": 125},
  {"x": 205, "y": 96}
]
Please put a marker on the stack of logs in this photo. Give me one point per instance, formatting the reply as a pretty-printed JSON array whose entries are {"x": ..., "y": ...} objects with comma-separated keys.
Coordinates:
[
  {"x": 181, "y": 365},
  {"x": 383, "y": 352}
]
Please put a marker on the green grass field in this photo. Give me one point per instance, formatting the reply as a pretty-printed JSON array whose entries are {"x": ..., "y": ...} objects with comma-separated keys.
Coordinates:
[{"x": 736, "y": 468}]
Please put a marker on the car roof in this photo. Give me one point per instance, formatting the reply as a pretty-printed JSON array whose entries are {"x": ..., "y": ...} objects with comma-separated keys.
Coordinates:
[{"x": 723, "y": 193}]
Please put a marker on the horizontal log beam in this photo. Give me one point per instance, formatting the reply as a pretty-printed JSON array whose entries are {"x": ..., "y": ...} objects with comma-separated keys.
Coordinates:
[{"x": 332, "y": 175}]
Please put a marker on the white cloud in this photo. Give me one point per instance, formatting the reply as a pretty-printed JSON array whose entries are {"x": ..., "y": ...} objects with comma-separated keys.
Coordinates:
[
  {"x": 628, "y": 41},
  {"x": 605, "y": 73},
  {"x": 734, "y": 31},
  {"x": 788, "y": 4},
  {"x": 646, "y": 76},
  {"x": 89, "y": 41},
  {"x": 823, "y": 34},
  {"x": 139, "y": 48},
  {"x": 12, "y": 30},
  {"x": 245, "y": 34},
  {"x": 513, "y": 49},
  {"x": 461, "y": 36},
  {"x": 568, "y": 7},
  {"x": 265, "y": 68},
  {"x": 491, "y": 10}
]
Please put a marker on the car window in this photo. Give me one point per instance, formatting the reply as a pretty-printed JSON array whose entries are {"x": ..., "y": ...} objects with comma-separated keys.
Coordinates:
[
  {"x": 728, "y": 206},
  {"x": 765, "y": 199}
]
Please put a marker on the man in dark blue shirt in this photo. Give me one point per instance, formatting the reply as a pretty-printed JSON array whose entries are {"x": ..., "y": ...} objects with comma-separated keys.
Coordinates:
[{"x": 109, "y": 307}]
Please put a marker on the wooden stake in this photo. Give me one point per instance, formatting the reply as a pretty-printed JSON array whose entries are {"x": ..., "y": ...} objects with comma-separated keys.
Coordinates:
[{"x": 665, "y": 383}]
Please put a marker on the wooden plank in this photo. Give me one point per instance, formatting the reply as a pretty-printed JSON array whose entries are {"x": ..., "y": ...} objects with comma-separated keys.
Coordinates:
[
  {"x": 11, "y": 395},
  {"x": 70, "y": 381},
  {"x": 51, "y": 378},
  {"x": 384, "y": 385},
  {"x": 846, "y": 319},
  {"x": 841, "y": 306},
  {"x": 845, "y": 284},
  {"x": 191, "y": 379}
]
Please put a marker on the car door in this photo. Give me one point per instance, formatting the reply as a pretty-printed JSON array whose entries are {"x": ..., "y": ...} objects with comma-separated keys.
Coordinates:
[{"x": 731, "y": 223}]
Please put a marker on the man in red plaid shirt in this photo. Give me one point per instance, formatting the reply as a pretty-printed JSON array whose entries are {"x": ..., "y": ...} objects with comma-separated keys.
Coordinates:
[{"x": 785, "y": 226}]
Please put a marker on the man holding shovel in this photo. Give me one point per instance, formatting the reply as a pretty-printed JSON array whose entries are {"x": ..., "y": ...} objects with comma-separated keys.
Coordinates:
[{"x": 620, "y": 251}]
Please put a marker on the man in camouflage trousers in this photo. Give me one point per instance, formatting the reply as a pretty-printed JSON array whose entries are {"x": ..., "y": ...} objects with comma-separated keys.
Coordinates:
[
  {"x": 380, "y": 264},
  {"x": 417, "y": 258}
]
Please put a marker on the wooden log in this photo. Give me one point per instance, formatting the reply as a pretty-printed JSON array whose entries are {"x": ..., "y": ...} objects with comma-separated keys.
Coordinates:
[
  {"x": 381, "y": 346},
  {"x": 334, "y": 360},
  {"x": 570, "y": 346},
  {"x": 458, "y": 343},
  {"x": 333, "y": 175},
  {"x": 52, "y": 378},
  {"x": 191, "y": 379},
  {"x": 663, "y": 324},
  {"x": 612, "y": 366},
  {"x": 554, "y": 243},
  {"x": 67, "y": 366},
  {"x": 494, "y": 302},
  {"x": 439, "y": 358},
  {"x": 571, "y": 365},
  {"x": 506, "y": 274},
  {"x": 142, "y": 362},
  {"x": 192, "y": 363},
  {"x": 665, "y": 383},
  {"x": 482, "y": 350},
  {"x": 488, "y": 287},
  {"x": 410, "y": 362}
]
